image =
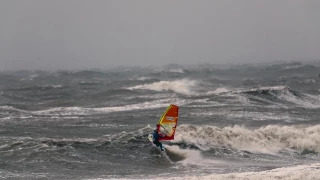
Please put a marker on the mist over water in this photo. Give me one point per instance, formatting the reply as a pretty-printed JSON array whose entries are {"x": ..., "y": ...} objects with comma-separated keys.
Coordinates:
[{"x": 245, "y": 121}]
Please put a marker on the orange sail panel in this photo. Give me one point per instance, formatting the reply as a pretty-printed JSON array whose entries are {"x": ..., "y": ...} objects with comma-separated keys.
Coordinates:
[{"x": 168, "y": 123}]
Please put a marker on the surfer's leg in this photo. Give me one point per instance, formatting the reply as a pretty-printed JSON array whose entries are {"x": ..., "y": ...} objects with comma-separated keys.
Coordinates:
[
  {"x": 156, "y": 143},
  {"x": 161, "y": 147}
]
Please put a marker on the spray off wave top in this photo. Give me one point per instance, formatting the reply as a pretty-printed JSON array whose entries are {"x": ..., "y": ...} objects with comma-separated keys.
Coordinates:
[
  {"x": 270, "y": 139},
  {"x": 183, "y": 86}
]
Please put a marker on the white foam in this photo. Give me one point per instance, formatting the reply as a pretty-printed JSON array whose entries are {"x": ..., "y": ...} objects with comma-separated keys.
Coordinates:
[
  {"x": 219, "y": 91},
  {"x": 142, "y": 78},
  {"x": 256, "y": 116},
  {"x": 63, "y": 111},
  {"x": 300, "y": 172},
  {"x": 11, "y": 108},
  {"x": 195, "y": 158},
  {"x": 308, "y": 81},
  {"x": 267, "y": 88},
  {"x": 89, "y": 82},
  {"x": 177, "y": 70},
  {"x": 145, "y": 105},
  {"x": 270, "y": 139},
  {"x": 306, "y": 100},
  {"x": 52, "y": 86},
  {"x": 183, "y": 86},
  {"x": 70, "y": 140},
  {"x": 259, "y": 115},
  {"x": 71, "y": 111},
  {"x": 291, "y": 67},
  {"x": 192, "y": 157}
]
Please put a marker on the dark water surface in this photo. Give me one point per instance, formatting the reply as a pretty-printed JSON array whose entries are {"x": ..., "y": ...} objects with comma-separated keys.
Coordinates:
[{"x": 94, "y": 124}]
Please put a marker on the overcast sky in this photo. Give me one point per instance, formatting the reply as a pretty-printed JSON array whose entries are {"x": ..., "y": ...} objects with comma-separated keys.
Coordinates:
[{"x": 73, "y": 34}]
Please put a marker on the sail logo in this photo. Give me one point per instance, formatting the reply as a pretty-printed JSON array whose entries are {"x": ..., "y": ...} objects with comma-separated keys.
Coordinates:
[{"x": 170, "y": 118}]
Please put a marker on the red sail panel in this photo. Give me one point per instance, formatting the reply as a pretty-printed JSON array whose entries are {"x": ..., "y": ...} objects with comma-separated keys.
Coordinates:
[{"x": 168, "y": 122}]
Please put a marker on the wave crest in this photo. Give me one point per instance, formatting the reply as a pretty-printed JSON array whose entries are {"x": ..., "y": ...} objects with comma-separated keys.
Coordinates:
[
  {"x": 271, "y": 139},
  {"x": 183, "y": 86},
  {"x": 283, "y": 95}
]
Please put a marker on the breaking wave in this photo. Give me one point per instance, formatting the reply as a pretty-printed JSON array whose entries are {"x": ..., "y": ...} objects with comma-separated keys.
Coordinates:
[
  {"x": 141, "y": 78},
  {"x": 177, "y": 70},
  {"x": 273, "y": 95},
  {"x": 183, "y": 86},
  {"x": 305, "y": 172},
  {"x": 70, "y": 111},
  {"x": 282, "y": 94},
  {"x": 271, "y": 139}
]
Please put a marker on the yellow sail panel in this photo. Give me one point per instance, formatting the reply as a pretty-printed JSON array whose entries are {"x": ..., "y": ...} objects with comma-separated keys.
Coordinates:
[{"x": 168, "y": 122}]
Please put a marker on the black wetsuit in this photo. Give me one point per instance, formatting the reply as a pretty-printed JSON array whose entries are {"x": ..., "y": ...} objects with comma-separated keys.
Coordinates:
[{"x": 156, "y": 140}]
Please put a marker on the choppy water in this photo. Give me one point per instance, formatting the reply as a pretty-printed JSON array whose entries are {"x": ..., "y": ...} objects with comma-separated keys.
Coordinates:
[{"x": 234, "y": 122}]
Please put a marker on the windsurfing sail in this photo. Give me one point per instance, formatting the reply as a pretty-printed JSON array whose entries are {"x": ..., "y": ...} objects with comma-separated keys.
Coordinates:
[{"x": 168, "y": 123}]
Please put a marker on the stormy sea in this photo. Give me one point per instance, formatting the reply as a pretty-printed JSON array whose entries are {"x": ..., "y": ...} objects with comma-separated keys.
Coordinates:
[{"x": 247, "y": 122}]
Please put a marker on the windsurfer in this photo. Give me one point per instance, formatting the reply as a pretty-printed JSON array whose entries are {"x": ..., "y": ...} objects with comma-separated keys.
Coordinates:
[{"x": 156, "y": 141}]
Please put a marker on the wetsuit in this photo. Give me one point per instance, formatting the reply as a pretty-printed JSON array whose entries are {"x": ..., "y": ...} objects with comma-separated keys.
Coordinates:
[{"x": 156, "y": 140}]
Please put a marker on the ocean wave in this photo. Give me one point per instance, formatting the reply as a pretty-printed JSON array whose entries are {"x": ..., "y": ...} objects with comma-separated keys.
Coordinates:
[
  {"x": 183, "y": 86},
  {"x": 11, "y": 109},
  {"x": 140, "y": 106},
  {"x": 256, "y": 116},
  {"x": 305, "y": 172},
  {"x": 67, "y": 141},
  {"x": 218, "y": 91},
  {"x": 141, "y": 78},
  {"x": 284, "y": 94},
  {"x": 30, "y": 77},
  {"x": 39, "y": 87},
  {"x": 308, "y": 81},
  {"x": 88, "y": 82},
  {"x": 75, "y": 111},
  {"x": 301, "y": 172},
  {"x": 87, "y": 111},
  {"x": 298, "y": 67},
  {"x": 271, "y": 139},
  {"x": 85, "y": 73},
  {"x": 177, "y": 70},
  {"x": 260, "y": 90},
  {"x": 271, "y": 95}
]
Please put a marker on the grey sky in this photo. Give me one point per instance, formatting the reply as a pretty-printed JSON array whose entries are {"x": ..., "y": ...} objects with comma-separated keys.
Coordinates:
[{"x": 72, "y": 34}]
